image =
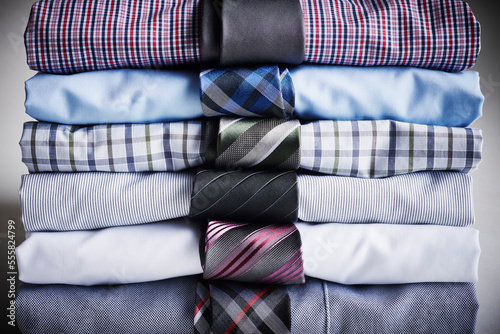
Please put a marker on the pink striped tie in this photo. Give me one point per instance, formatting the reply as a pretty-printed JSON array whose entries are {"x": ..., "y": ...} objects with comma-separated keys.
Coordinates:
[{"x": 253, "y": 253}]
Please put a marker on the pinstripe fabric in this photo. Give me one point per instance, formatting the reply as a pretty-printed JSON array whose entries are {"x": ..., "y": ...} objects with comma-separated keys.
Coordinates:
[
  {"x": 245, "y": 196},
  {"x": 67, "y": 36},
  {"x": 87, "y": 201},
  {"x": 441, "y": 198},
  {"x": 369, "y": 149},
  {"x": 258, "y": 143},
  {"x": 49, "y": 147},
  {"x": 372, "y": 149},
  {"x": 235, "y": 308},
  {"x": 260, "y": 91},
  {"x": 78, "y": 201},
  {"x": 260, "y": 253}
]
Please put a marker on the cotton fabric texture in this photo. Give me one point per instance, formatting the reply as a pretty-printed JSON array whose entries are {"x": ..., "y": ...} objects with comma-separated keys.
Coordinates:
[
  {"x": 63, "y": 201},
  {"x": 321, "y": 92},
  {"x": 342, "y": 253},
  {"x": 75, "y": 36}
]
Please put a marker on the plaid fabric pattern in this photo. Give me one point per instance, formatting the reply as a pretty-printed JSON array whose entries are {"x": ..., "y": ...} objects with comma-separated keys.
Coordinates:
[
  {"x": 68, "y": 36},
  {"x": 50, "y": 147},
  {"x": 265, "y": 91},
  {"x": 372, "y": 149},
  {"x": 263, "y": 253},
  {"x": 228, "y": 308},
  {"x": 441, "y": 35},
  {"x": 261, "y": 143},
  {"x": 368, "y": 149}
]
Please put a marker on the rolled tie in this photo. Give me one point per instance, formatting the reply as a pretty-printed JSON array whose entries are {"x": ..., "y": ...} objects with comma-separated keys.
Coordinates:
[
  {"x": 263, "y": 91},
  {"x": 250, "y": 308},
  {"x": 258, "y": 253}
]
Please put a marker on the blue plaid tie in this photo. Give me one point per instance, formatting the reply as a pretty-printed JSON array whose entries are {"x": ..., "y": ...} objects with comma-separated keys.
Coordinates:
[{"x": 251, "y": 92}]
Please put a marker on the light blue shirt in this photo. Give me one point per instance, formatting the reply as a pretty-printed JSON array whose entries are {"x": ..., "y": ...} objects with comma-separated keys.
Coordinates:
[{"x": 321, "y": 92}]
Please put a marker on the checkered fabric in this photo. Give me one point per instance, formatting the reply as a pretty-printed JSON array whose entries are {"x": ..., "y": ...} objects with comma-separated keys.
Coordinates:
[
  {"x": 254, "y": 253},
  {"x": 372, "y": 149},
  {"x": 368, "y": 149},
  {"x": 50, "y": 147},
  {"x": 228, "y": 308},
  {"x": 260, "y": 143},
  {"x": 265, "y": 91},
  {"x": 442, "y": 35},
  {"x": 68, "y": 36}
]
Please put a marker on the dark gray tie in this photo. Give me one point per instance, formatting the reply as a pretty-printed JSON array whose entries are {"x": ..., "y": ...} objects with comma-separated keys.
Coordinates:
[{"x": 245, "y": 196}]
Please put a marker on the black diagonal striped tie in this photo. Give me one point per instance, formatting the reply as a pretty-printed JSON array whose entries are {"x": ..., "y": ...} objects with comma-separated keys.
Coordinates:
[{"x": 245, "y": 196}]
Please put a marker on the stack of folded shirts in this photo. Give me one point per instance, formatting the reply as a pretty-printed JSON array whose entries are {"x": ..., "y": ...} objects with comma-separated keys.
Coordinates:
[{"x": 190, "y": 173}]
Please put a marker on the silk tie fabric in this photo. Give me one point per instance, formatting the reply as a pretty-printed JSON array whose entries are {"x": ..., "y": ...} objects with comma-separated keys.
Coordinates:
[
  {"x": 245, "y": 196},
  {"x": 369, "y": 149},
  {"x": 336, "y": 32},
  {"x": 315, "y": 307},
  {"x": 237, "y": 308},
  {"x": 258, "y": 143},
  {"x": 342, "y": 253},
  {"x": 321, "y": 92},
  {"x": 263, "y": 91},
  {"x": 63, "y": 201},
  {"x": 250, "y": 252}
]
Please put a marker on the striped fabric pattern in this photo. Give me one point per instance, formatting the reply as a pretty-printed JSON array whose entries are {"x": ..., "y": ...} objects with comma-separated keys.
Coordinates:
[
  {"x": 368, "y": 149},
  {"x": 85, "y": 201},
  {"x": 265, "y": 91},
  {"x": 68, "y": 36},
  {"x": 258, "y": 196},
  {"x": 373, "y": 149},
  {"x": 50, "y": 147},
  {"x": 268, "y": 143},
  {"x": 79, "y": 201},
  {"x": 236, "y": 308},
  {"x": 438, "y": 198},
  {"x": 254, "y": 253}
]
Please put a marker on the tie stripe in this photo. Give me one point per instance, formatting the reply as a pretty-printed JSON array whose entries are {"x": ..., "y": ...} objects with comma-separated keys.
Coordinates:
[
  {"x": 245, "y": 196},
  {"x": 229, "y": 308},
  {"x": 253, "y": 253},
  {"x": 258, "y": 143}
]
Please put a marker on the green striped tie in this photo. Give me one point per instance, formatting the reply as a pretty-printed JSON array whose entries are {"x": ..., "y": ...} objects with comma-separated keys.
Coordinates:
[{"x": 266, "y": 143}]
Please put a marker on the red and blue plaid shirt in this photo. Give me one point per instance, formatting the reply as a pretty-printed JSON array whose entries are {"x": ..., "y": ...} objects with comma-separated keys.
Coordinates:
[{"x": 69, "y": 36}]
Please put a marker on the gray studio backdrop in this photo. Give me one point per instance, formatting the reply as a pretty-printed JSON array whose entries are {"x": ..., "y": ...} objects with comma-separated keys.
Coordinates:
[{"x": 14, "y": 15}]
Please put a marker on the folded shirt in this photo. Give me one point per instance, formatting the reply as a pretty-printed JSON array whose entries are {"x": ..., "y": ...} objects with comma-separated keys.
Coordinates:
[
  {"x": 167, "y": 306},
  {"x": 321, "y": 92},
  {"x": 342, "y": 253},
  {"x": 369, "y": 149},
  {"x": 74, "y": 35},
  {"x": 80, "y": 201}
]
